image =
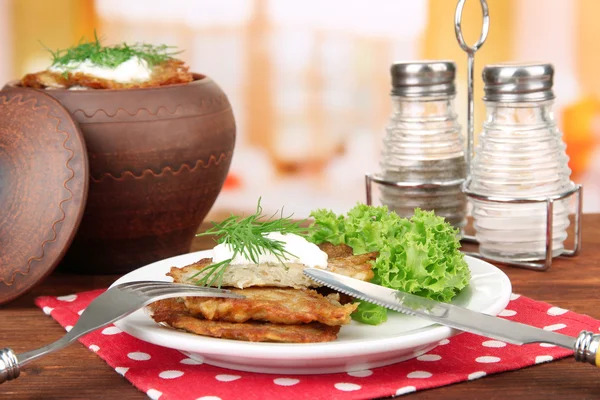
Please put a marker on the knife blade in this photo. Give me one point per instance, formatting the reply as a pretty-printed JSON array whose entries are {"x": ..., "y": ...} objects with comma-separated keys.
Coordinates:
[{"x": 585, "y": 346}]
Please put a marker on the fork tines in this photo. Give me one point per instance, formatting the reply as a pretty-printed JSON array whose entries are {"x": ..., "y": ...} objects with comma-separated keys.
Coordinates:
[{"x": 158, "y": 287}]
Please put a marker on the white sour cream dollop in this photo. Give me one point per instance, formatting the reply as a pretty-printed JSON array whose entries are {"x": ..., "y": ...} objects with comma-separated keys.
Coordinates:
[
  {"x": 133, "y": 70},
  {"x": 304, "y": 252}
]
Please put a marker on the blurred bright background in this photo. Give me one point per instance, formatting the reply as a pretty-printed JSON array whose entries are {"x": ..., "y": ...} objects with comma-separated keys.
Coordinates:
[{"x": 308, "y": 80}]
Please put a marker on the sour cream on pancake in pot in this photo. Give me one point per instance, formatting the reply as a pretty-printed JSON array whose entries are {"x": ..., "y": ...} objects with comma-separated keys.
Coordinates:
[{"x": 133, "y": 70}]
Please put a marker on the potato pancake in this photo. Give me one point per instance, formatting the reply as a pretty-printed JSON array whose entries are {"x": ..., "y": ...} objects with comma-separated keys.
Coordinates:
[
  {"x": 277, "y": 275},
  {"x": 169, "y": 72},
  {"x": 277, "y": 305},
  {"x": 172, "y": 313}
]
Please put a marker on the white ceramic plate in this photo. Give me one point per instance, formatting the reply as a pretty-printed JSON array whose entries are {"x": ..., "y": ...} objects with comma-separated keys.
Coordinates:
[{"x": 357, "y": 347}]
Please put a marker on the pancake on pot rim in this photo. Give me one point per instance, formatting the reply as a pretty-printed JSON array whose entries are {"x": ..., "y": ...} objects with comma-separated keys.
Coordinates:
[{"x": 91, "y": 65}]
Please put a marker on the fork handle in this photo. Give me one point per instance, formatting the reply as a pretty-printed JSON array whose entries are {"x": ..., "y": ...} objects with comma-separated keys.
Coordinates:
[
  {"x": 9, "y": 365},
  {"x": 587, "y": 348}
]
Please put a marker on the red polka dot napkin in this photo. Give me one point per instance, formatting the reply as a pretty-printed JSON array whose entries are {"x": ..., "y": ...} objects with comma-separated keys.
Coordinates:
[{"x": 168, "y": 374}]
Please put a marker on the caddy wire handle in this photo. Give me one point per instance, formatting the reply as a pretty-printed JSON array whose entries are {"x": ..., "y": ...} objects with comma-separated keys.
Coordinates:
[{"x": 470, "y": 50}]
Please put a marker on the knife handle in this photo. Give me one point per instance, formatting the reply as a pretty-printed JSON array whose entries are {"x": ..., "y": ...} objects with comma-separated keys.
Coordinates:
[
  {"x": 9, "y": 365},
  {"x": 587, "y": 347}
]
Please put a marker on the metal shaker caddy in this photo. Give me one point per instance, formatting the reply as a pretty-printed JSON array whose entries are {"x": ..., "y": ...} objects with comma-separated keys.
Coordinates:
[{"x": 518, "y": 182}]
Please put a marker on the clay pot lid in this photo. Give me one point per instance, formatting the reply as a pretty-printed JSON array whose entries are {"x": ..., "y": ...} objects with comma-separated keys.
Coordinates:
[{"x": 43, "y": 187}]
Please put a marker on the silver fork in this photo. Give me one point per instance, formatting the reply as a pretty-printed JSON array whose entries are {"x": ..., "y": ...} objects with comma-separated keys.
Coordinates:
[{"x": 114, "y": 304}]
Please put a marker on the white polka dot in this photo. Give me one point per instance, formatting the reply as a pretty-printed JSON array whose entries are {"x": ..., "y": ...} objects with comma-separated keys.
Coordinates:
[
  {"x": 191, "y": 361},
  {"x": 514, "y": 296},
  {"x": 111, "y": 330},
  {"x": 543, "y": 359},
  {"x": 419, "y": 374},
  {"x": 487, "y": 359},
  {"x": 285, "y": 381},
  {"x": 68, "y": 328},
  {"x": 80, "y": 311},
  {"x": 68, "y": 298},
  {"x": 493, "y": 343},
  {"x": 361, "y": 374},
  {"x": 139, "y": 356},
  {"x": 429, "y": 357},
  {"x": 443, "y": 342},
  {"x": 208, "y": 398},
  {"x": 94, "y": 348},
  {"x": 347, "y": 387},
  {"x": 122, "y": 370},
  {"x": 405, "y": 390},
  {"x": 154, "y": 394},
  {"x": 476, "y": 375},
  {"x": 556, "y": 311},
  {"x": 47, "y": 310},
  {"x": 170, "y": 374},
  {"x": 227, "y": 378},
  {"x": 554, "y": 327},
  {"x": 547, "y": 345},
  {"x": 507, "y": 313}
]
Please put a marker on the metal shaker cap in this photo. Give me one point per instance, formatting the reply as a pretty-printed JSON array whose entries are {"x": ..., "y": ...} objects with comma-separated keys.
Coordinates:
[
  {"x": 423, "y": 78},
  {"x": 518, "y": 82}
]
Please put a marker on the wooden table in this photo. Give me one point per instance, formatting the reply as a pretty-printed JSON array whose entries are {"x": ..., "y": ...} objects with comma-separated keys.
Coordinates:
[{"x": 76, "y": 372}]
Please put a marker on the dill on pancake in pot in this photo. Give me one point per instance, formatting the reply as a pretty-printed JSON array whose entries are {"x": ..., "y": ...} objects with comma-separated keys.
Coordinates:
[{"x": 111, "y": 56}]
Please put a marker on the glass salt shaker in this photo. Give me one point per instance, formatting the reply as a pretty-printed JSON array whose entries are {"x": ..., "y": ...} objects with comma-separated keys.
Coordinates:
[
  {"x": 423, "y": 148},
  {"x": 520, "y": 155}
]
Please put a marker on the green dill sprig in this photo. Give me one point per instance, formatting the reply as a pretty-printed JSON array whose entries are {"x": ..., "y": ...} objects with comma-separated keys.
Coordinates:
[
  {"x": 247, "y": 236},
  {"x": 111, "y": 56}
]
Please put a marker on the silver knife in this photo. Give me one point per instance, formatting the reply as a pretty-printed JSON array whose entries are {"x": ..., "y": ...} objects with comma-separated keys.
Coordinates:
[{"x": 585, "y": 346}]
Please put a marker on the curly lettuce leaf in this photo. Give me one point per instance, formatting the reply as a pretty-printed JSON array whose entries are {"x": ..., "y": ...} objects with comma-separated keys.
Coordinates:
[
  {"x": 328, "y": 227},
  {"x": 419, "y": 256},
  {"x": 369, "y": 313}
]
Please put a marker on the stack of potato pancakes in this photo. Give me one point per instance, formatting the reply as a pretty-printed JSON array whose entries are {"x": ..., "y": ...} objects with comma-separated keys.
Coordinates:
[{"x": 281, "y": 304}]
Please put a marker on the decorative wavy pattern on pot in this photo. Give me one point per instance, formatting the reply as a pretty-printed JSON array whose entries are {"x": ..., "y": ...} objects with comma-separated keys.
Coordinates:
[
  {"x": 212, "y": 160},
  {"x": 207, "y": 106}
]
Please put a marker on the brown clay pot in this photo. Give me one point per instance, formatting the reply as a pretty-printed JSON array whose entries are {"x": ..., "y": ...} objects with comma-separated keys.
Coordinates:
[{"x": 158, "y": 158}]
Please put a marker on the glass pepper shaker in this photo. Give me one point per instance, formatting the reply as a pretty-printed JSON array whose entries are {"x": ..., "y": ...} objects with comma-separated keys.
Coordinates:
[
  {"x": 520, "y": 155},
  {"x": 423, "y": 148}
]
